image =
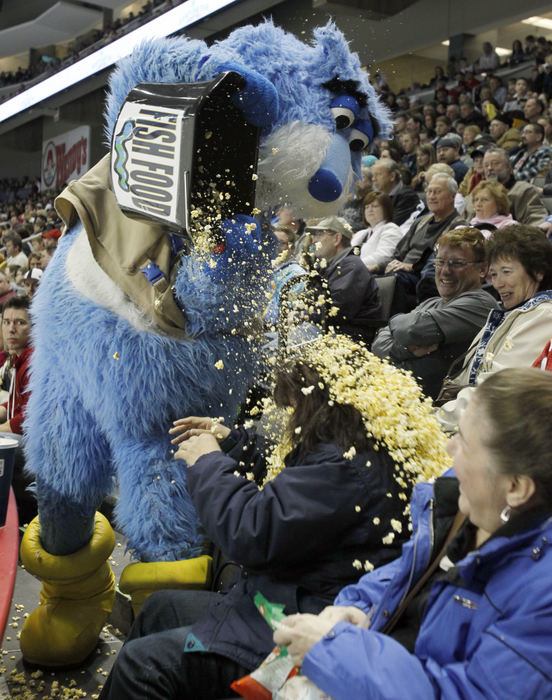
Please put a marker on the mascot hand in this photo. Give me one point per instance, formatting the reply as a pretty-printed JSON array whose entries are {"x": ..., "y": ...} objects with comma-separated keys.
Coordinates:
[{"x": 258, "y": 100}]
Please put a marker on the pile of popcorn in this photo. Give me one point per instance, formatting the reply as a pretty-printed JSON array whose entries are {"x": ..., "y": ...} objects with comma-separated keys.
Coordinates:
[{"x": 396, "y": 414}]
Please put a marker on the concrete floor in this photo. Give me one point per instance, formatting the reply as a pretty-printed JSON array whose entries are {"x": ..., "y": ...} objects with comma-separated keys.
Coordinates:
[{"x": 21, "y": 682}]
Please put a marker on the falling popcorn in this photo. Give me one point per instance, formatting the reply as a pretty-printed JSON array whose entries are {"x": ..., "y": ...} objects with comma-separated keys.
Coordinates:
[
  {"x": 397, "y": 417},
  {"x": 350, "y": 453},
  {"x": 368, "y": 566},
  {"x": 388, "y": 539},
  {"x": 307, "y": 389},
  {"x": 115, "y": 355},
  {"x": 396, "y": 525},
  {"x": 254, "y": 176},
  {"x": 357, "y": 564},
  {"x": 357, "y": 508},
  {"x": 219, "y": 364}
]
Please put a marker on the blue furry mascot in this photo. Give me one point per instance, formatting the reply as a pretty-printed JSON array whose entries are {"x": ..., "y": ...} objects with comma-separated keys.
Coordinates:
[{"x": 136, "y": 325}]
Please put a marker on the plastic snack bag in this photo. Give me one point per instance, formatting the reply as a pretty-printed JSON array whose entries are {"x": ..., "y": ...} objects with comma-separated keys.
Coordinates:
[
  {"x": 300, "y": 688},
  {"x": 269, "y": 678},
  {"x": 276, "y": 678}
]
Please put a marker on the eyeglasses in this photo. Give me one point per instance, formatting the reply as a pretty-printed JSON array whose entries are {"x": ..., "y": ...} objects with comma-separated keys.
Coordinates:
[{"x": 455, "y": 264}]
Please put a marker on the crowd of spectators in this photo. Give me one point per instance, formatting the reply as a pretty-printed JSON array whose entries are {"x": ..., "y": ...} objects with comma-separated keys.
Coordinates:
[
  {"x": 453, "y": 210},
  {"x": 475, "y": 158},
  {"x": 93, "y": 40},
  {"x": 29, "y": 231}
]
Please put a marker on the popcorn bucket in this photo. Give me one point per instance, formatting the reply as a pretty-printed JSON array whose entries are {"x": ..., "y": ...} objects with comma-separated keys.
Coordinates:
[
  {"x": 174, "y": 142},
  {"x": 7, "y": 455}
]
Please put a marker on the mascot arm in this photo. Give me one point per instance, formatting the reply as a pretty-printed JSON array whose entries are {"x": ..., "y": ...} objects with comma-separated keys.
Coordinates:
[
  {"x": 204, "y": 283},
  {"x": 243, "y": 244}
]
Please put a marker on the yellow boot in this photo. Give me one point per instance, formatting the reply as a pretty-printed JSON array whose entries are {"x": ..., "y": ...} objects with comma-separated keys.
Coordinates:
[
  {"x": 141, "y": 579},
  {"x": 76, "y": 598}
]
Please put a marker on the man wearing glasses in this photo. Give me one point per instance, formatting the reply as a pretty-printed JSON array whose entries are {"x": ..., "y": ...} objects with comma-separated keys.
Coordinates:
[{"x": 428, "y": 339}]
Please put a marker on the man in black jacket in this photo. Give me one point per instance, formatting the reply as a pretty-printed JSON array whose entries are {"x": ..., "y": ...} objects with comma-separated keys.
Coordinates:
[
  {"x": 387, "y": 179},
  {"x": 352, "y": 288}
]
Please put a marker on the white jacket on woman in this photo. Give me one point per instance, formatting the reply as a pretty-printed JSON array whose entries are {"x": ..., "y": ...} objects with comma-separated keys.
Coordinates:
[{"x": 377, "y": 244}]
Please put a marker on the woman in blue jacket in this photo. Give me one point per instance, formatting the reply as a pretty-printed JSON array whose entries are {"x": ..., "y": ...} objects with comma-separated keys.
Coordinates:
[
  {"x": 338, "y": 507},
  {"x": 479, "y": 625}
]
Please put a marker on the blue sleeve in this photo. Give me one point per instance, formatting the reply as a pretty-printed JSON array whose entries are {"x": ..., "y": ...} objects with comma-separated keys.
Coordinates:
[
  {"x": 511, "y": 661},
  {"x": 369, "y": 590},
  {"x": 248, "y": 450}
]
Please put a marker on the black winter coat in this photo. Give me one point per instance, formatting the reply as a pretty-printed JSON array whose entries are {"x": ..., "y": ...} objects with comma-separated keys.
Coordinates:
[{"x": 296, "y": 539}]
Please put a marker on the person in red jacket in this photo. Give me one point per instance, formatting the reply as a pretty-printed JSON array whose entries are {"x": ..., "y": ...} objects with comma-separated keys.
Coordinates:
[{"x": 16, "y": 332}]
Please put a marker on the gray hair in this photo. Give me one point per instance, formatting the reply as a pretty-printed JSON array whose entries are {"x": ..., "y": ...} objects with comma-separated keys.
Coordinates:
[
  {"x": 499, "y": 151},
  {"x": 450, "y": 181},
  {"x": 390, "y": 166}
]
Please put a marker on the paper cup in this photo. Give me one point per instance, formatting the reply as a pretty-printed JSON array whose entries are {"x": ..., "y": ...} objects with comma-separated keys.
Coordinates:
[{"x": 7, "y": 454}]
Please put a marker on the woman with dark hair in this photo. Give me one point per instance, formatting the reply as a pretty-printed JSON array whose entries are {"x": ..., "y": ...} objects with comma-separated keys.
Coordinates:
[
  {"x": 466, "y": 612},
  {"x": 518, "y": 54},
  {"x": 302, "y": 512},
  {"x": 377, "y": 242},
  {"x": 520, "y": 267}
]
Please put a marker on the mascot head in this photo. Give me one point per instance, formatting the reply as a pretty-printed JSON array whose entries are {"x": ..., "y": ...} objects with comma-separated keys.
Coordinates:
[{"x": 317, "y": 112}]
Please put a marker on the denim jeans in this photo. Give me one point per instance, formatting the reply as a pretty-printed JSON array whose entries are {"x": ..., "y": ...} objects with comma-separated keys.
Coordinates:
[{"x": 153, "y": 664}]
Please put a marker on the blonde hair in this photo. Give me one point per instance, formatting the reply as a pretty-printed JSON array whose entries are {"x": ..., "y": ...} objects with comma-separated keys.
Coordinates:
[
  {"x": 472, "y": 129},
  {"x": 438, "y": 168}
]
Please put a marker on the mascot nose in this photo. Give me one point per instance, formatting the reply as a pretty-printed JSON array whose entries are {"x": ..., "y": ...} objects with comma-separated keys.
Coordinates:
[{"x": 326, "y": 185}]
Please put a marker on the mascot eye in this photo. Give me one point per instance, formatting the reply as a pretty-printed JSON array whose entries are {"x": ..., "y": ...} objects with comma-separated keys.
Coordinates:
[
  {"x": 358, "y": 140},
  {"x": 344, "y": 110},
  {"x": 343, "y": 117}
]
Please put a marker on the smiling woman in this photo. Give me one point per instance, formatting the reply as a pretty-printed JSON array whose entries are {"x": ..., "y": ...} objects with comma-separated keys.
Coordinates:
[{"x": 520, "y": 265}]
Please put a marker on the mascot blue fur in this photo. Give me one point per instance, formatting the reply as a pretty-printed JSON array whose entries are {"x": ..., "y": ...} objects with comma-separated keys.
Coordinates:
[{"x": 107, "y": 382}]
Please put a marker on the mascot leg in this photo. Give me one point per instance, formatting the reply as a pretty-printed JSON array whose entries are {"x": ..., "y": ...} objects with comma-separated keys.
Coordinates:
[
  {"x": 165, "y": 539},
  {"x": 76, "y": 599},
  {"x": 154, "y": 507}
]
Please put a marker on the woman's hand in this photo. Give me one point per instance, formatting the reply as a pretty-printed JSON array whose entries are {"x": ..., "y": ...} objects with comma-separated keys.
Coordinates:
[
  {"x": 299, "y": 633},
  {"x": 185, "y": 428},
  {"x": 342, "y": 613},
  {"x": 196, "y": 446}
]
